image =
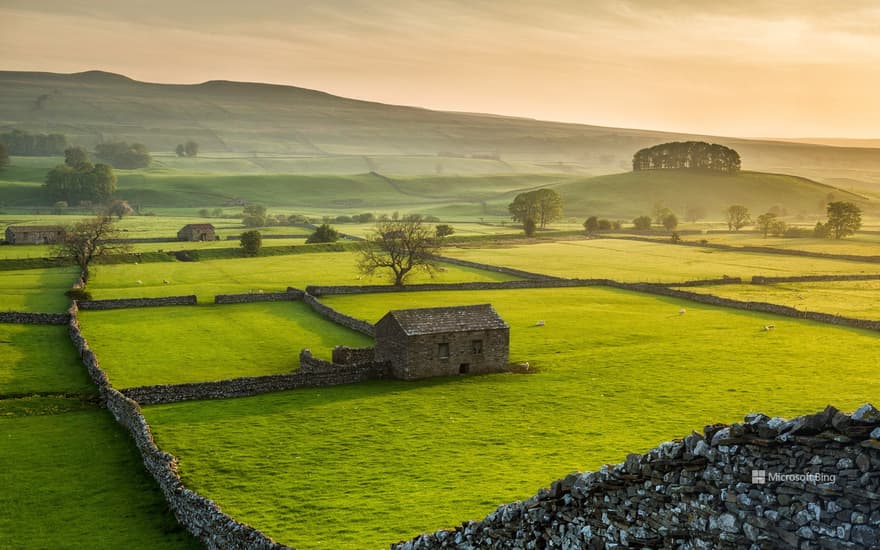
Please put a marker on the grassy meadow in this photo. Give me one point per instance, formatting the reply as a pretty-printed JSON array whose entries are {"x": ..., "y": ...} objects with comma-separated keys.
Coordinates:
[
  {"x": 36, "y": 290},
  {"x": 173, "y": 345},
  {"x": 40, "y": 359},
  {"x": 857, "y": 299},
  {"x": 615, "y": 372},
  {"x": 636, "y": 261},
  {"x": 273, "y": 273}
]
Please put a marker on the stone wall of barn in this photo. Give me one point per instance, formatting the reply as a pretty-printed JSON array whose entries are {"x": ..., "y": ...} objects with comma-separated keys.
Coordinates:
[{"x": 810, "y": 482}]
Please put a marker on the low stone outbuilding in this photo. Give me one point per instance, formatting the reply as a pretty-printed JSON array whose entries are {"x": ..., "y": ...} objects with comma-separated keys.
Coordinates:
[
  {"x": 443, "y": 341},
  {"x": 197, "y": 232},
  {"x": 34, "y": 234}
]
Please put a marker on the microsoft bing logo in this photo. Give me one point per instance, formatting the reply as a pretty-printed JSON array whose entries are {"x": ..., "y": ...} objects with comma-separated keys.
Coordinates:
[{"x": 759, "y": 477}]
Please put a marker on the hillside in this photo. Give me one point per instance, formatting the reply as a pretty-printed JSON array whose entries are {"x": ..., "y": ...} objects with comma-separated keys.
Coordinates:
[
  {"x": 634, "y": 193},
  {"x": 277, "y": 129},
  {"x": 623, "y": 195}
]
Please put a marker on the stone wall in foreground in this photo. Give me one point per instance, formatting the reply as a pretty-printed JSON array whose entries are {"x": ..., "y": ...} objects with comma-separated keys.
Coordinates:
[{"x": 717, "y": 489}]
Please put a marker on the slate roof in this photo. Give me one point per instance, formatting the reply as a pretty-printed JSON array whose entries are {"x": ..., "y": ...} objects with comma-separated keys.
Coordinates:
[
  {"x": 434, "y": 320},
  {"x": 29, "y": 228},
  {"x": 197, "y": 226}
]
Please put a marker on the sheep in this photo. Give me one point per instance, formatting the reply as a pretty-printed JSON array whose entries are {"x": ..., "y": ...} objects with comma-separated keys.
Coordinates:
[
  {"x": 539, "y": 324},
  {"x": 260, "y": 291},
  {"x": 139, "y": 282},
  {"x": 165, "y": 282},
  {"x": 682, "y": 311},
  {"x": 768, "y": 327}
]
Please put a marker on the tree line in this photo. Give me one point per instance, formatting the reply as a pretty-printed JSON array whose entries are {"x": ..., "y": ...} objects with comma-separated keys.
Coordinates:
[
  {"x": 694, "y": 155},
  {"x": 25, "y": 144}
]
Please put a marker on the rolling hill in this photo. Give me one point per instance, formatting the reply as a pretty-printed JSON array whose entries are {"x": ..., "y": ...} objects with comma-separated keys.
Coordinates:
[{"x": 262, "y": 128}]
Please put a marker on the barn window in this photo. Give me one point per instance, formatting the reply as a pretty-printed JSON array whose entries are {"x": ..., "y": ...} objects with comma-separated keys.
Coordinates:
[
  {"x": 476, "y": 347},
  {"x": 443, "y": 351}
]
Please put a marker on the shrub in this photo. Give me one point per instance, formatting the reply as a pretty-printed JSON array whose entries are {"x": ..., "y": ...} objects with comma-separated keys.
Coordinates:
[
  {"x": 323, "y": 234},
  {"x": 642, "y": 223},
  {"x": 251, "y": 242}
]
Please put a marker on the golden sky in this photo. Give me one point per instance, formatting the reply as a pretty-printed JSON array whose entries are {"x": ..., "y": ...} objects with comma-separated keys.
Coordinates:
[{"x": 751, "y": 68}]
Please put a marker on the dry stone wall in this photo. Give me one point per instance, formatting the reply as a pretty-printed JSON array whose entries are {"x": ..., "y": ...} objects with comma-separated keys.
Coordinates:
[
  {"x": 199, "y": 515},
  {"x": 810, "y": 482},
  {"x": 757, "y": 280},
  {"x": 123, "y": 303},
  {"x": 339, "y": 318},
  {"x": 291, "y": 294},
  {"x": 344, "y": 355},
  {"x": 313, "y": 373},
  {"x": 495, "y": 268},
  {"x": 24, "y": 318}
]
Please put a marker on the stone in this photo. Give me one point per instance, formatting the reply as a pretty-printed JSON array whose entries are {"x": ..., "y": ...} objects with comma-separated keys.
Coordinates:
[
  {"x": 806, "y": 533},
  {"x": 727, "y": 522},
  {"x": 867, "y": 414},
  {"x": 864, "y": 535}
]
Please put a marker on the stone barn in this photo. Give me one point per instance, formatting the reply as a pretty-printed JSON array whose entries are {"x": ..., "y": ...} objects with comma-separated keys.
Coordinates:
[
  {"x": 34, "y": 234},
  {"x": 197, "y": 232},
  {"x": 443, "y": 341}
]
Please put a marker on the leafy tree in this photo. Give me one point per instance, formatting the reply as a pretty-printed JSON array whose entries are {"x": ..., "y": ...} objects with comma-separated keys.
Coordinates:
[
  {"x": 765, "y": 223},
  {"x": 217, "y": 212},
  {"x": 91, "y": 239},
  {"x": 660, "y": 212},
  {"x": 76, "y": 156},
  {"x": 822, "y": 230},
  {"x": 778, "y": 228},
  {"x": 324, "y": 234},
  {"x": 670, "y": 221},
  {"x": 205, "y": 213},
  {"x": 122, "y": 155},
  {"x": 366, "y": 217},
  {"x": 84, "y": 183},
  {"x": 737, "y": 217},
  {"x": 4, "y": 156},
  {"x": 34, "y": 145},
  {"x": 343, "y": 219},
  {"x": 844, "y": 218},
  {"x": 591, "y": 225},
  {"x": 542, "y": 206},
  {"x": 251, "y": 242},
  {"x": 444, "y": 230},
  {"x": 191, "y": 148},
  {"x": 605, "y": 225},
  {"x": 254, "y": 215},
  {"x": 642, "y": 223},
  {"x": 180, "y": 150},
  {"x": 294, "y": 219},
  {"x": 400, "y": 246},
  {"x": 694, "y": 155},
  {"x": 530, "y": 227},
  {"x": 119, "y": 208}
]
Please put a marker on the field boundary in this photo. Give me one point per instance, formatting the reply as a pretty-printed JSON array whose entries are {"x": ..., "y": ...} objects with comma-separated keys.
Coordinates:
[
  {"x": 199, "y": 515},
  {"x": 337, "y": 317},
  {"x": 126, "y": 303},
  {"x": 760, "y": 280},
  {"x": 292, "y": 294},
  {"x": 26, "y": 318},
  {"x": 758, "y": 249},
  {"x": 497, "y": 269}
]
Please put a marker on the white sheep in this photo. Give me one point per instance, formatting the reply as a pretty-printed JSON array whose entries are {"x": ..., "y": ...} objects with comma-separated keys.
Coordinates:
[
  {"x": 768, "y": 327},
  {"x": 682, "y": 311},
  {"x": 539, "y": 324},
  {"x": 165, "y": 282},
  {"x": 139, "y": 282}
]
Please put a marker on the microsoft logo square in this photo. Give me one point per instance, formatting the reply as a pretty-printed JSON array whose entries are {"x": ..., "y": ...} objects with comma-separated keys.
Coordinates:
[{"x": 759, "y": 477}]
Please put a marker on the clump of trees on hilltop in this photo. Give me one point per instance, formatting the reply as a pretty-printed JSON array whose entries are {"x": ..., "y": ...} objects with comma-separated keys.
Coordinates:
[{"x": 693, "y": 155}]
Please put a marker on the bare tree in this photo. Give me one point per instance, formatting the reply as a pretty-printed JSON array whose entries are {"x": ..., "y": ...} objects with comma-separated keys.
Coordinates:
[
  {"x": 401, "y": 246},
  {"x": 91, "y": 239}
]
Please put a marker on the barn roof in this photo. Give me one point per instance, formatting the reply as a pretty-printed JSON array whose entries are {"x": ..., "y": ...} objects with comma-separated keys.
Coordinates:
[
  {"x": 434, "y": 320},
  {"x": 20, "y": 228},
  {"x": 203, "y": 226}
]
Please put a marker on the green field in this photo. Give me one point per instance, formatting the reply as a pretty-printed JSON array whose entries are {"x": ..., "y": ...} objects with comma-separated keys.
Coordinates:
[
  {"x": 76, "y": 480},
  {"x": 38, "y": 290},
  {"x": 857, "y": 299},
  {"x": 275, "y": 273},
  {"x": 173, "y": 345},
  {"x": 40, "y": 359},
  {"x": 635, "y": 261},
  {"x": 617, "y": 372}
]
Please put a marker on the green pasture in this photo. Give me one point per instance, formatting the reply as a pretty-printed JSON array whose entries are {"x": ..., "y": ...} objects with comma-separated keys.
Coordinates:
[
  {"x": 861, "y": 244},
  {"x": 615, "y": 372},
  {"x": 38, "y": 290},
  {"x": 40, "y": 359},
  {"x": 272, "y": 273},
  {"x": 173, "y": 345},
  {"x": 859, "y": 299},
  {"x": 636, "y": 261},
  {"x": 76, "y": 480}
]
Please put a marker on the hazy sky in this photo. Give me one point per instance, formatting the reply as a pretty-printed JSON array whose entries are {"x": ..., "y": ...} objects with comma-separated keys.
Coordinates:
[{"x": 746, "y": 68}]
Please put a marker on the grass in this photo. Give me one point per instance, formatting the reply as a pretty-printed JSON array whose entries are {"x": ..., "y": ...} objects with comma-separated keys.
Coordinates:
[
  {"x": 861, "y": 244},
  {"x": 274, "y": 273},
  {"x": 40, "y": 359},
  {"x": 634, "y": 261},
  {"x": 617, "y": 372},
  {"x": 37, "y": 290},
  {"x": 173, "y": 345},
  {"x": 847, "y": 298},
  {"x": 76, "y": 480}
]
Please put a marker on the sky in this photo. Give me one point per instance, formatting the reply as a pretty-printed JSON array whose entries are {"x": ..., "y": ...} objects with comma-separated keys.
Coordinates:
[{"x": 744, "y": 68}]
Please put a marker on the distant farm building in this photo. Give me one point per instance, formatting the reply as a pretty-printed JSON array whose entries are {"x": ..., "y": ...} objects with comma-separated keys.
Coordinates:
[
  {"x": 442, "y": 341},
  {"x": 197, "y": 232},
  {"x": 34, "y": 234}
]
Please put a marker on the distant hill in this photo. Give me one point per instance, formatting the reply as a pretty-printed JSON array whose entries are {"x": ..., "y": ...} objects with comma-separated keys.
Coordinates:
[{"x": 320, "y": 131}]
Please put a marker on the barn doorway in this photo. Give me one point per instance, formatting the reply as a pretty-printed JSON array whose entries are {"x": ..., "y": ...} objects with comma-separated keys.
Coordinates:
[{"x": 464, "y": 368}]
